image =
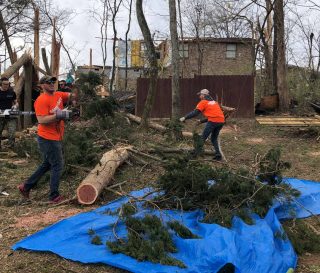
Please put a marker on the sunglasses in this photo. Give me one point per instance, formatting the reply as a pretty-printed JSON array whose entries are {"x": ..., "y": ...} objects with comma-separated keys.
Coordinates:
[{"x": 50, "y": 82}]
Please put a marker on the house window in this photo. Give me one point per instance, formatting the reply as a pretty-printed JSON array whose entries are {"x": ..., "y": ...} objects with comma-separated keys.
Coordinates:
[
  {"x": 231, "y": 51},
  {"x": 183, "y": 50}
]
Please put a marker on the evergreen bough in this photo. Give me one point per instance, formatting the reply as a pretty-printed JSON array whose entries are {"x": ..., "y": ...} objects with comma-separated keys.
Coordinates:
[
  {"x": 228, "y": 193},
  {"x": 148, "y": 240}
]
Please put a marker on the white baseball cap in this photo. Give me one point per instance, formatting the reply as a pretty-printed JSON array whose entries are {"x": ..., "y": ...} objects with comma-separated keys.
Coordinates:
[{"x": 203, "y": 92}]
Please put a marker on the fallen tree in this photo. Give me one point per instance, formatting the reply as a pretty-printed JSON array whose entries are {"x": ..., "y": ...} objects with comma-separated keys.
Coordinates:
[
  {"x": 24, "y": 59},
  {"x": 156, "y": 126},
  {"x": 90, "y": 188},
  {"x": 177, "y": 150}
]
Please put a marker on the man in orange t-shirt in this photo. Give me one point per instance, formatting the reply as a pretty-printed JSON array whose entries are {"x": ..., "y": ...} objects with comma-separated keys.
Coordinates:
[
  {"x": 214, "y": 118},
  {"x": 51, "y": 116}
]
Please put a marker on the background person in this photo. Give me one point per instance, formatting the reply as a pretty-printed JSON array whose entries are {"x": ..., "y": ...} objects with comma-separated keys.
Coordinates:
[
  {"x": 8, "y": 100},
  {"x": 214, "y": 117},
  {"x": 62, "y": 86}
]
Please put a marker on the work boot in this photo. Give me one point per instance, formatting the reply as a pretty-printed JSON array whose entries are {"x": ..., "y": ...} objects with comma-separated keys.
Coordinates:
[
  {"x": 25, "y": 193},
  {"x": 58, "y": 199}
]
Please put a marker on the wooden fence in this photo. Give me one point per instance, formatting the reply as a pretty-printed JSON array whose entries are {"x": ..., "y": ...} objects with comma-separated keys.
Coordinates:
[{"x": 232, "y": 91}]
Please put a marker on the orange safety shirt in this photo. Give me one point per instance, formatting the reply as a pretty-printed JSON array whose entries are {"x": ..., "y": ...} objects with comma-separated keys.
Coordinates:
[
  {"x": 211, "y": 110},
  {"x": 45, "y": 105}
]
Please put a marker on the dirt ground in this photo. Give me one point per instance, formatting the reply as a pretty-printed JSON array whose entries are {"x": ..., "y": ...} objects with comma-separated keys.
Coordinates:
[{"x": 241, "y": 141}]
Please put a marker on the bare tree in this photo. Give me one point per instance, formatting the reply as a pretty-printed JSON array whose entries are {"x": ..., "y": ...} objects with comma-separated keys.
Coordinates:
[
  {"x": 175, "y": 62},
  {"x": 60, "y": 19},
  {"x": 101, "y": 16},
  {"x": 152, "y": 59},
  {"x": 126, "y": 40},
  {"x": 282, "y": 85},
  {"x": 14, "y": 22},
  {"x": 114, "y": 6}
]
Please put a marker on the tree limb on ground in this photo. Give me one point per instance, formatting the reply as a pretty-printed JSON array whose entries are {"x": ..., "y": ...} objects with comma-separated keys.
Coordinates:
[{"x": 155, "y": 126}]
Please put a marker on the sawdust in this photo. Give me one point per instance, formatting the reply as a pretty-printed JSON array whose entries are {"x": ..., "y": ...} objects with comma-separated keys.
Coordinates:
[
  {"x": 315, "y": 154},
  {"x": 255, "y": 140},
  {"x": 50, "y": 216}
]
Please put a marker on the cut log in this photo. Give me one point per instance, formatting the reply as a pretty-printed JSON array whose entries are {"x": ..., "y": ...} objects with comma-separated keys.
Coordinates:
[
  {"x": 126, "y": 98},
  {"x": 24, "y": 59},
  {"x": 155, "y": 126},
  {"x": 90, "y": 188},
  {"x": 227, "y": 111}
]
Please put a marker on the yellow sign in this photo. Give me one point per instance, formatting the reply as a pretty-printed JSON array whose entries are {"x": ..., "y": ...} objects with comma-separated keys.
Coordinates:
[{"x": 136, "y": 58}]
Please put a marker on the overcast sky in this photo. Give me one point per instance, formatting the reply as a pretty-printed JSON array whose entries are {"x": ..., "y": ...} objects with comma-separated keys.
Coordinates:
[{"x": 84, "y": 30}]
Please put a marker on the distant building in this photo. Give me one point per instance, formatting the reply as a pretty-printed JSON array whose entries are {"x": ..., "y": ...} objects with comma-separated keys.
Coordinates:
[
  {"x": 205, "y": 56},
  {"x": 210, "y": 56}
]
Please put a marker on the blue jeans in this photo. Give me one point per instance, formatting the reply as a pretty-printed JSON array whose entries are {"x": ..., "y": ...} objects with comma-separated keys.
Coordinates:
[
  {"x": 213, "y": 128},
  {"x": 51, "y": 151}
]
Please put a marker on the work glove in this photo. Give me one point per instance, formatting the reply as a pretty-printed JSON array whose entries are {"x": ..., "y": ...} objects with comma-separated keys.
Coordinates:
[
  {"x": 182, "y": 119},
  {"x": 62, "y": 114},
  {"x": 15, "y": 107}
]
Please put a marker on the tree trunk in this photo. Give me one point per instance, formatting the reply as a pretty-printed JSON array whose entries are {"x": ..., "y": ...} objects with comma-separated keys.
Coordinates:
[
  {"x": 282, "y": 85},
  {"x": 113, "y": 72},
  {"x": 275, "y": 54},
  {"x": 176, "y": 150},
  {"x": 39, "y": 69},
  {"x": 152, "y": 59},
  {"x": 56, "y": 60},
  {"x": 268, "y": 88},
  {"x": 27, "y": 93},
  {"x": 114, "y": 10},
  {"x": 55, "y": 54},
  {"x": 181, "y": 35},
  {"x": 16, "y": 66},
  {"x": 90, "y": 188},
  {"x": 127, "y": 32},
  {"x": 45, "y": 61},
  {"x": 19, "y": 85},
  {"x": 15, "y": 75},
  {"x": 175, "y": 61},
  {"x": 269, "y": 8},
  {"x": 6, "y": 38},
  {"x": 36, "y": 38}
]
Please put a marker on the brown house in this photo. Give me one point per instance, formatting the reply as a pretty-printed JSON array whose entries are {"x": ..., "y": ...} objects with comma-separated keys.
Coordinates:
[{"x": 210, "y": 56}]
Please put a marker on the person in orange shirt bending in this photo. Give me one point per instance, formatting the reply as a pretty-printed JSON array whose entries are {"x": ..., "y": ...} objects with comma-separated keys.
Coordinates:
[
  {"x": 51, "y": 116},
  {"x": 214, "y": 118}
]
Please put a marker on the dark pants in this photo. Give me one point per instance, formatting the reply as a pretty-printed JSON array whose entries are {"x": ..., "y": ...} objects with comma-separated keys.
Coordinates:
[
  {"x": 11, "y": 124},
  {"x": 51, "y": 151},
  {"x": 213, "y": 128}
]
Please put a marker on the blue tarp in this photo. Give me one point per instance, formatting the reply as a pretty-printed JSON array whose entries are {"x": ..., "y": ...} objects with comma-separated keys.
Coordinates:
[{"x": 251, "y": 249}]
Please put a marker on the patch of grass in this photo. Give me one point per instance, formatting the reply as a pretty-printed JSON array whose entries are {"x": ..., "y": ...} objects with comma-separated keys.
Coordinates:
[
  {"x": 96, "y": 240},
  {"x": 302, "y": 237}
]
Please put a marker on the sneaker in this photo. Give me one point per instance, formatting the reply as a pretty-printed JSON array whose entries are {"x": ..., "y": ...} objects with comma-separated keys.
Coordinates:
[
  {"x": 23, "y": 191},
  {"x": 217, "y": 157},
  {"x": 58, "y": 199}
]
